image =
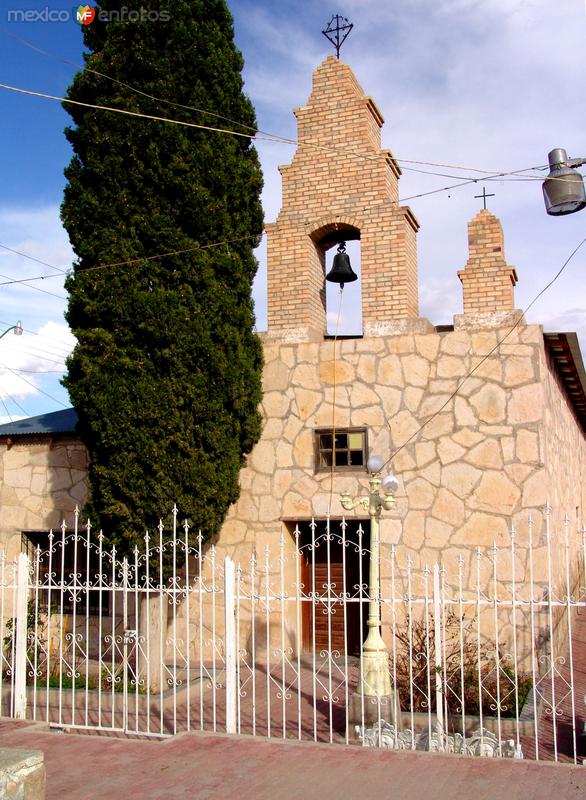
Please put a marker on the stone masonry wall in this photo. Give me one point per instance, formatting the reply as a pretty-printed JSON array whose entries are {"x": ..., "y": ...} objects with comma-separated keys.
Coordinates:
[
  {"x": 41, "y": 482},
  {"x": 484, "y": 463},
  {"x": 564, "y": 487},
  {"x": 564, "y": 450},
  {"x": 479, "y": 465}
]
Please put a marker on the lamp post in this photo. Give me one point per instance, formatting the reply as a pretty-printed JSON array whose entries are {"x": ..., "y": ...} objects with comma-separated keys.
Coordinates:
[
  {"x": 375, "y": 679},
  {"x": 563, "y": 189},
  {"x": 16, "y": 328}
]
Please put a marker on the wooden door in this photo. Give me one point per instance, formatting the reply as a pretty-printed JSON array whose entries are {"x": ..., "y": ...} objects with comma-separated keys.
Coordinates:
[
  {"x": 329, "y": 613},
  {"x": 330, "y": 622}
]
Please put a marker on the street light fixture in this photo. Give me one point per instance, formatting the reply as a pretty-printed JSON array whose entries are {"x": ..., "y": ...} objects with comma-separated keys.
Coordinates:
[
  {"x": 16, "y": 328},
  {"x": 563, "y": 189},
  {"x": 375, "y": 681}
]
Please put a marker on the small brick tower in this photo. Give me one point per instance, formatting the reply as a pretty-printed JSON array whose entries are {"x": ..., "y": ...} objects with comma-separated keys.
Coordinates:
[
  {"x": 341, "y": 185},
  {"x": 487, "y": 281}
]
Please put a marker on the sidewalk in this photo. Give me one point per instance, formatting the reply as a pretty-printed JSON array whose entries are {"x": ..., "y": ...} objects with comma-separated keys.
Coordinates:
[{"x": 202, "y": 766}]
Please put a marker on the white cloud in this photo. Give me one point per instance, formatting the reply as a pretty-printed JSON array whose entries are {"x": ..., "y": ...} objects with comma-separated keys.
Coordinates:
[
  {"x": 33, "y": 364},
  {"x": 25, "y": 359},
  {"x": 4, "y": 419}
]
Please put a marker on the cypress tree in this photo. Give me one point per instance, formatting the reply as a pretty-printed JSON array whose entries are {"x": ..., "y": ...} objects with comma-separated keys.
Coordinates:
[{"x": 166, "y": 374}]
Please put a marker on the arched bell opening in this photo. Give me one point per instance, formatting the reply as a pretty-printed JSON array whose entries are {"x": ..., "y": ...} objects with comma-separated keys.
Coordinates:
[{"x": 338, "y": 249}]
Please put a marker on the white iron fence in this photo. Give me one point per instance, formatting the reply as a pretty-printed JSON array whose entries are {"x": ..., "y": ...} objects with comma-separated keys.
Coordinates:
[{"x": 486, "y": 649}]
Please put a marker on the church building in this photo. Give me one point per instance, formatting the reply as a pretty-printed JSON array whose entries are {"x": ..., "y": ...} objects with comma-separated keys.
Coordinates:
[{"x": 482, "y": 421}]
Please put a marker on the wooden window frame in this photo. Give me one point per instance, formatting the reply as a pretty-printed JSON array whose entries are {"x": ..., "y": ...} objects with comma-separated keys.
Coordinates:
[{"x": 318, "y": 450}]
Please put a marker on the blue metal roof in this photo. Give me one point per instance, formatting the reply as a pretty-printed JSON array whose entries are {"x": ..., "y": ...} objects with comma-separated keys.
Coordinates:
[{"x": 57, "y": 422}]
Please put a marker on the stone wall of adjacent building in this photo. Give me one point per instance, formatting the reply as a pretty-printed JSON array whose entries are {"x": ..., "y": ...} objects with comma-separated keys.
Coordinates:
[
  {"x": 42, "y": 479},
  {"x": 564, "y": 485},
  {"x": 564, "y": 449}
]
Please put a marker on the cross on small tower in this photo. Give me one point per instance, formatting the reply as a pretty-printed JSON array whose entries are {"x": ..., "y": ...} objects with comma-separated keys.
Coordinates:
[
  {"x": 337, "y": 25},
  {"x": 483, "y": 196}
]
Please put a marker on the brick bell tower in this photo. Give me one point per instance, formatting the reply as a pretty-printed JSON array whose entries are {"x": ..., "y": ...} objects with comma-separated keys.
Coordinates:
[
  {"x": 488, "y": 282},
  {"x": 340, "y": 186}
]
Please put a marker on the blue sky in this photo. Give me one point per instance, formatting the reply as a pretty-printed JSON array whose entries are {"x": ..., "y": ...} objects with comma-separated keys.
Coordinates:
[{"x": 487, "y": 84}]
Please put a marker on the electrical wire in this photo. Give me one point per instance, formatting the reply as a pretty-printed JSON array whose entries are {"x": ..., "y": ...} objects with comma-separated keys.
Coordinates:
[
  {"x": 4, "y": 392},
  {"x": 138, "y": 260},
  {"x": 37, "y": 351},
  {"x": 490, "y": 352},
  {"x": 33, "y": 258},
  {"x": 49, "y": 350},
  {"x": 333, "y": 464},
  {"x": 135, "y": 89},
  {"x": 36, "y": 288},
  {"x": 135, "y": 260},
  {"x": 39, "y": 371},
  {"x": 49, "y": 354},
  {"x": 254, "y": 129},
  {"x": 502, "y": 174},
  {"x": 35, "y": 387},
  {"x": 370, "y": 205},
  {"x": 126, "y": 112},
  {"x": 33, "y": 355},
  {"x": 15, "y": 402},
  {"x": 52, "y": 358},
  {"x": 6, "y": 408},
  {"x": 59, "y": 342}
]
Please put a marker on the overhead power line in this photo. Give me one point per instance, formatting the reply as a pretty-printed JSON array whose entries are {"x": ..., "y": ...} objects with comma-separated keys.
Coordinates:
[
  {"x": 52, "y": 358},
  {"x": 6, "y": 408},
  {"x": 59, "y": 348},
  {"x": 370, "y": 205},
  {"x": 33, "y": 258},
  {"x": 40, "y": 371},
  {"x": 135, "y": 89},
  {"x": 502, "y": 174},
  {"x": 253, "y": 129},
  {"x": 12, "y": 400},
  {"x": 36, "y": 288},
  {"x": 138, "y": 260},
  {"x": 35, "y": 387}
]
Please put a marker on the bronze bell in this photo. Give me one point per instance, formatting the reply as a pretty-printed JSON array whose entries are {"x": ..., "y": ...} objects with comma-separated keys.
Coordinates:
[{"x": 341, "y": 271}]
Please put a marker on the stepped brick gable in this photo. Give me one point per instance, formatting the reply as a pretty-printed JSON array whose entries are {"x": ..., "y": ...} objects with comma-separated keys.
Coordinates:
[
  {"x": 487, "y": 281},
  {"x": 340, "y": 185}
]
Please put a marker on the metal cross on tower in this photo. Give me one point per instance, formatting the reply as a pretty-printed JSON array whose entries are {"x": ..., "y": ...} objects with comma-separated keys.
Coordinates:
[
  {"x": 336, "y": 27},
  {"x": 483, "y": 196}
]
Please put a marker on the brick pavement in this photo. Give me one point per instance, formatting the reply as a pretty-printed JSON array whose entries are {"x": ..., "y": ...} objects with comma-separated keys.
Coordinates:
[
  {"x": 294, "y": 714},
  {"x": 205, "y": 766}
]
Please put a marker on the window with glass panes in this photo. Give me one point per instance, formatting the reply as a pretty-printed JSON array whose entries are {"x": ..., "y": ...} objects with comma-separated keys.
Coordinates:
[{"x": 345, "y": 448}]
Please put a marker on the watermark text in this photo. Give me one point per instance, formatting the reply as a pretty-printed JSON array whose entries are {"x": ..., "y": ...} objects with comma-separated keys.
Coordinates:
[{"x": 86, "y": 14}]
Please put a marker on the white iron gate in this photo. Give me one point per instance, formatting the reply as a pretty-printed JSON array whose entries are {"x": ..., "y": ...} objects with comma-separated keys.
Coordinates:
[{"x": 487, "y": 649}]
